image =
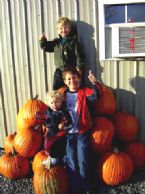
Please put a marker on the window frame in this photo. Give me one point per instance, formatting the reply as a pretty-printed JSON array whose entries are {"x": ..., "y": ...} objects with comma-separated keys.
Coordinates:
[{"x": 101, "y": 16}]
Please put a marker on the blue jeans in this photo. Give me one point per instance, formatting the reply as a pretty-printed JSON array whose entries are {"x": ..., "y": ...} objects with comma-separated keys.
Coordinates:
[{"x": 77, "y": 161}]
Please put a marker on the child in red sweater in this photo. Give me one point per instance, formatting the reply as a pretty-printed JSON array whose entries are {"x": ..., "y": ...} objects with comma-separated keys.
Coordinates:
[{"x": 78, "y": 137}]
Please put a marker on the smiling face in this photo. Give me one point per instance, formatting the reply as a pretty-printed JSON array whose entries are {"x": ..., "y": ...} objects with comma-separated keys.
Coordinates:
[
  {"x": 63, "y": 29},
  {"x": 72, "y": 81}
]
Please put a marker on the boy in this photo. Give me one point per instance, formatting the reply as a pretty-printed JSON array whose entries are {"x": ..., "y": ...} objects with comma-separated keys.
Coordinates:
[
  {"x": 56, "y": 120},
  {"x": 78, "y": 137},
  {"x": 66, "y": 50}
]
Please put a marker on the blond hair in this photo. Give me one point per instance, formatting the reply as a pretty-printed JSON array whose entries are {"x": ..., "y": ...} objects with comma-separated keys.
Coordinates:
[
  {"x": 64, "y": 21},
  {"x": 54, "y": 94}
]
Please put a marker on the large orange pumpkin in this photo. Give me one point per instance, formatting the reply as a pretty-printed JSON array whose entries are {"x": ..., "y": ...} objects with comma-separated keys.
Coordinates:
[
  {"x": 115, "y": 167},
  {"x": 103, "y": 133},
  {"x": 107, "y": 104},
  {"x": 50, "y": 181},
  {"x": 14, "y": 166},
  {"x": 136, "y": 150},
  {"x": 9, "y": 142},
  {"x": 26, "y": 117},
  {"x": 27, "y": 142},
  {"x": 126, "y": 126},
  {"x": 38, "y": 159}
]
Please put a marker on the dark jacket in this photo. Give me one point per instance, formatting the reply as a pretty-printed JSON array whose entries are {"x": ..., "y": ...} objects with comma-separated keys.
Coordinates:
[
  {"x": 69, "y": 53},
  {"x": 53, "y": 118}
]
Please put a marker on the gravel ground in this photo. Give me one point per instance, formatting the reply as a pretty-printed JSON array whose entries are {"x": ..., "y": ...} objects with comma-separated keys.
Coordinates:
[{"x": 136, "y": 185}]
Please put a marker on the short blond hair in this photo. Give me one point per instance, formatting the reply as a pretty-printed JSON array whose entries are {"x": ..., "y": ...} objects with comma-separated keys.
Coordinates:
[
  {"x": 64, "y": 21},
  {"x": 54, "y": 94}
]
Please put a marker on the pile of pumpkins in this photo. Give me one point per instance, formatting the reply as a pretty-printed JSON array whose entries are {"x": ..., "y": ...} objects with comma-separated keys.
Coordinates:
[
  {"x": 25, "y": 153},
  {"x": 114, "y": 142}
]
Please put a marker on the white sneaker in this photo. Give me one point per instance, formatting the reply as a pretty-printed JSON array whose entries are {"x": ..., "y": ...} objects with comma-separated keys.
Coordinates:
[
  {"x": 54, "y": 161},
  {"x": 50, "y": 162}
]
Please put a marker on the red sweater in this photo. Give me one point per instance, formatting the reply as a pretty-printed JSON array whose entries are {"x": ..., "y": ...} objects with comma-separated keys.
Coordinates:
[{"x": 84, "y": 121}]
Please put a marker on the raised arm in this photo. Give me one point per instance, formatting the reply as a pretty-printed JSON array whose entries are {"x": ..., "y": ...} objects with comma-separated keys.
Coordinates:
[
  {"x": 42, "y": 37},
  {"x": 96, "y": 91},
  {"x": 92, "y": 78},
  {"x": 47, "y": 46}
]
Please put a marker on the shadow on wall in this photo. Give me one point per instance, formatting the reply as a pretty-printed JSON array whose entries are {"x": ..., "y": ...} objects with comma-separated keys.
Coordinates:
[
  {"x": 85, "y": 33},
  {"x": 133, "y": 102},
  {"x": 138, "y": 83}
]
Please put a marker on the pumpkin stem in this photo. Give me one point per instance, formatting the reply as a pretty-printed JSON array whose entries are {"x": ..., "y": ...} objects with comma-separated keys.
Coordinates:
[
  {"x": 13, "y": 151},
  {"x": 36, "y": 97},
  {"x": 14, "y": 133}
]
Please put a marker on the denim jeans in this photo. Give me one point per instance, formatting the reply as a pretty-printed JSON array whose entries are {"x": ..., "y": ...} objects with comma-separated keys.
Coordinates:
[
  {"x": 57, "y": 148},
  {"x": 77, "y": 161}
]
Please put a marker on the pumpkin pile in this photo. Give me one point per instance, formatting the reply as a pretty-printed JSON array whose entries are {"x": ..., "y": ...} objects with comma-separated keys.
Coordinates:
[
  {"x": 23, "y": 144},
  {"x": 24, "y": 152},
  {"x": 114, "y": 142}
]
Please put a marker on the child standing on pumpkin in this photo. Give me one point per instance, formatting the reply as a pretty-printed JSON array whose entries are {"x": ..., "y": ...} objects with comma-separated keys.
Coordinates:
[
  {"x": 57, "y": 120},
  {"x": 66, "y": 48},
  {"x": 78, "y": 137}
]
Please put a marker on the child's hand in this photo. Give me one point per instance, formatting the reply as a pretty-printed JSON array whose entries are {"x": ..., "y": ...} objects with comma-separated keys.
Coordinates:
[
  {"x": 42, "y": 37},
  {"x": 45, "y": 130},
  {"x": 92, "y": 77},
  {"x": 61, "y": 126}
]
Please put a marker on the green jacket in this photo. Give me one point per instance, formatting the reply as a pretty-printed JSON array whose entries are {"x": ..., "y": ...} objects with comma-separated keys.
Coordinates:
[{"x": 67, "y": 54}]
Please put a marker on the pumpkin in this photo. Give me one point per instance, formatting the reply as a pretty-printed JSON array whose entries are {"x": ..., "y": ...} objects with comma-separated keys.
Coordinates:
[
  {"x": 136, "y": 151},
  {"x": 14, "y": 166},
  {"x": 126, "y": 126},
  {"x": 27, "y": 142},
  {"x": 38, "y": 159},
  {"x": 8, "y": 142},
  {"x": 26, "y": 116},
  {"x": 102, "y": 135},
  {"x": 62, "y": 89},
  {"x": 115, "y": 167},
  {"x": 107, "y": 104},
  {"x": 50, "y": 181}
]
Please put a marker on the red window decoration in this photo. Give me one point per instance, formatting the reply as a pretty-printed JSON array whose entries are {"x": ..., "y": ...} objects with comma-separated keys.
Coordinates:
[{"x": 132, "y": 40}]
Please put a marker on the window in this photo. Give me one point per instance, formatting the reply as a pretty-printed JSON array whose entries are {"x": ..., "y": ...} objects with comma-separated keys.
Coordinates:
[
  {"x": 121, "y": 28},
  {"x": 124, "y": 13},
  {"x": 114, "y": 14},
  {"x": 136, "y": 13}
]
